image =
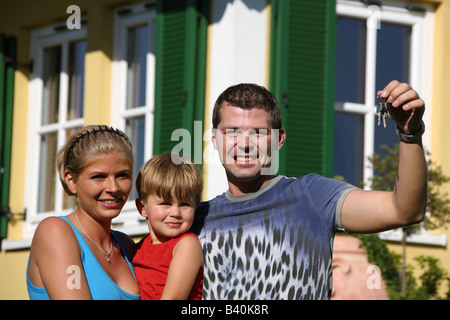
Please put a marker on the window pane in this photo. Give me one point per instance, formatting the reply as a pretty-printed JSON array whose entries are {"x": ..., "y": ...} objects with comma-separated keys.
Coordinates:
[
  {"x": 393, "y": 47},
  {"x": 350, "y": 60},
  {"x": 50, "y": 78},
  {"x": 135, "y": 129},
  {"x": 138, "y": 47},
  {"x": 77, "y": 52},
  {"x": 348, "y": 147},
  {"x": 47, "y": 171}
]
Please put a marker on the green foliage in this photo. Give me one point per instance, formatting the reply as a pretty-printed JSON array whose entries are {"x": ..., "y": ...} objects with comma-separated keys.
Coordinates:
[
  {"x": 431, "y": 278},
  {"x": 385, "y": 168},
  {"x": 389, "y": 263},
  {"x": 438, "y": 206},
  {"x": 433, "y": 274}
]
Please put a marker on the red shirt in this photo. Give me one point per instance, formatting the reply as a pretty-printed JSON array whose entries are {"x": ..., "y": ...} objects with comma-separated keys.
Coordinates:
[{"x": 151, "y": 265}]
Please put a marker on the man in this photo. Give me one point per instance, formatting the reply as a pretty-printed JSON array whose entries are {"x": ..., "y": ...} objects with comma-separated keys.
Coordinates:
[{"x": 271, "y": 237}]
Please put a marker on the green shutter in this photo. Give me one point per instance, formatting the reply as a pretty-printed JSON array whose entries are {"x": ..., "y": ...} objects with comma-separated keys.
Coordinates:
[
  {"x": 302, "y": 79},
  {"x": 180, "y": 69},
  {"x": 7, "y": 62}
]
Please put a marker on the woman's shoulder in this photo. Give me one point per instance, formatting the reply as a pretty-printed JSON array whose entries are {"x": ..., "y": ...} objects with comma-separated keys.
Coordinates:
[
  {"x": 54, "y": 249},
  {"x": 52, "y": 225},
  {"x": 53, "y": 231}
]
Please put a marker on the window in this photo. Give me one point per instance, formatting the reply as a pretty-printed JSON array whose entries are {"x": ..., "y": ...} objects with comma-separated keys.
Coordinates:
[
  {"x": 133, "y": 78},
  {"x": 374, "y": 46},
  {"x": 55, "y": 111},
  {"x": 156, "y": 89},
  {"x": 133, "y": 85}
]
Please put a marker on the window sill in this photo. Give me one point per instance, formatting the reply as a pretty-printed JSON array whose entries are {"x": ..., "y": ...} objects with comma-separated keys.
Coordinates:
[
  {"x": 420, "y": 238},
  {"x": 8, "y": 245},
  {"x": 131, "y": 227}
]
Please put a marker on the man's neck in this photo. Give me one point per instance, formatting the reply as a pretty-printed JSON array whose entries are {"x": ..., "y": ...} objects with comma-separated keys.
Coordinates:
[{"x": 240, "y": 187}]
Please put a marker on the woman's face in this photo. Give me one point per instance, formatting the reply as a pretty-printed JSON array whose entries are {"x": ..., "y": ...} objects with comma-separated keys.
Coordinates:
[{"x": 103, "y": 186}]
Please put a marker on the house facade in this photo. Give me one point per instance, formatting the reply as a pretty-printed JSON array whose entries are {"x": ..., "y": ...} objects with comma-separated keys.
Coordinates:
[{"x": 154, "y": 69}]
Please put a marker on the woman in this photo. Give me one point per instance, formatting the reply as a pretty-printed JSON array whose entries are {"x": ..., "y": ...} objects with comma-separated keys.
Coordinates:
[{"x": 78, "y": 256}]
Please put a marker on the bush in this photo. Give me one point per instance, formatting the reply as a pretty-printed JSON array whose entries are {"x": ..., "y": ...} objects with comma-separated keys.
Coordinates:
[{"x": 426, "y": 288}]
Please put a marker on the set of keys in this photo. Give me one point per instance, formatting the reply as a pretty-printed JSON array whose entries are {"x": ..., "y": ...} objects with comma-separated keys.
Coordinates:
[{"x": 382, "y": 111}]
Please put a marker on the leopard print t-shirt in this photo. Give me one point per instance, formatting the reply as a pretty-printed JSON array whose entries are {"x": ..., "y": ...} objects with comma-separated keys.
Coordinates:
[{"x": 273, "y": 244}]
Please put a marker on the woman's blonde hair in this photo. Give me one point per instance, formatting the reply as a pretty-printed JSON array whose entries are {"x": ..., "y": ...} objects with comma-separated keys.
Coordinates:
[
  {"x": 167, "y": 173},
  {"x": 87, "y": 143}
]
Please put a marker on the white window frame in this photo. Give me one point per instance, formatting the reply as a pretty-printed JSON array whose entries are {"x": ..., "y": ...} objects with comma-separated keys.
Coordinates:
[
  {"x": 43, "y": 38},
  {"x": 421, "y": 79},
  {"x": 129, "y": 221},
  {"x": 420, "y": 65}
]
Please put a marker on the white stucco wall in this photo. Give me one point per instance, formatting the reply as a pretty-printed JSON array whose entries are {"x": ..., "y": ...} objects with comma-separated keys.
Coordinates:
[{"x": 237, "y": 52}]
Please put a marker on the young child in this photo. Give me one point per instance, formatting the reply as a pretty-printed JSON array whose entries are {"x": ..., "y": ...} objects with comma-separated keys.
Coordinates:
[{"x": 169, "y": 261}]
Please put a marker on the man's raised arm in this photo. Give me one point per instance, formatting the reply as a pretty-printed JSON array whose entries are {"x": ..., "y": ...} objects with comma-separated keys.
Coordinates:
[{"x": 367, "y": 211}]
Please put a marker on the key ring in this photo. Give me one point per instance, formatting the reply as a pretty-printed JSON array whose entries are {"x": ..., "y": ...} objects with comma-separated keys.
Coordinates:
[{"x": 382, "y": 111}]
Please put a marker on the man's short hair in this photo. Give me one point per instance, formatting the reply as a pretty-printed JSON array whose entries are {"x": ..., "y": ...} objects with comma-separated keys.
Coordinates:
[{"x": 248, "y": 96}]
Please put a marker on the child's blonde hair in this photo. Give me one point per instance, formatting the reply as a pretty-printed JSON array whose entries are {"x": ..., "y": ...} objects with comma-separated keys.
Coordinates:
[
  {"x": 87, "y": 143},
  {"x": 161, "y": 176}
]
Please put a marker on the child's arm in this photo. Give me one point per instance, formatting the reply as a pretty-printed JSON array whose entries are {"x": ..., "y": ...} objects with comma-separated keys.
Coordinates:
[{"x": 186, "y": 262}]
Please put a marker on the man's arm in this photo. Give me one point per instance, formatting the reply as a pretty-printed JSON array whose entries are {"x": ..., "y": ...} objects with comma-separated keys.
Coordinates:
[{"x": 366, "y": 211}]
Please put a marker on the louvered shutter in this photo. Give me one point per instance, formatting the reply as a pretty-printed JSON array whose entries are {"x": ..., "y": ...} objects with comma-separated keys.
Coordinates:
[
  {"x": 180, "y": 64},
  {"x": 8, "y": 46},
  {"x": 302, "y": 79}
]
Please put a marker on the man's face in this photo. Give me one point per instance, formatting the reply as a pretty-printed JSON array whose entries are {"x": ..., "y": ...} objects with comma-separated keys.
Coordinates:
[{"x": 244, "y": 141}]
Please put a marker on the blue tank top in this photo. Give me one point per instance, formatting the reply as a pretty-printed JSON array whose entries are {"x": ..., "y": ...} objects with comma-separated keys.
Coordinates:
[{"x": 102, "y": 287}]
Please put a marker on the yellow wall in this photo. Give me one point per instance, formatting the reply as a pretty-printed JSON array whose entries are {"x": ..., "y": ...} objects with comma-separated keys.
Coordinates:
[
  {"x": 14, "y": 19},
  {"x": 12, "y": 278}
]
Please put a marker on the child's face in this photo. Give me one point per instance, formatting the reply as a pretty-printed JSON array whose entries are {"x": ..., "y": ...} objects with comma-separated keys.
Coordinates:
[{"x": 166, "y": 219}]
